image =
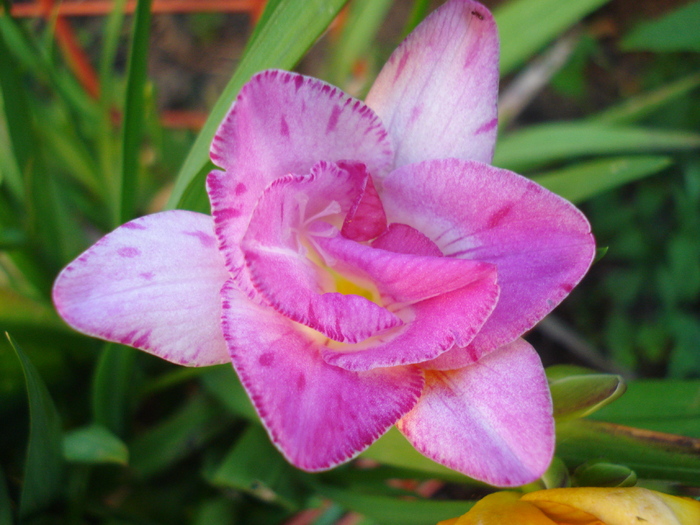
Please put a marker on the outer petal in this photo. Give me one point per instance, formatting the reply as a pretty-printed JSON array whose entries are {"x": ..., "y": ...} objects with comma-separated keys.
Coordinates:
[
  {"x": 154, "y": 284},
  {"x": 540, "y": 243},
  {"x": 437, "y": 94},
  {"x": 491, "y": 420},
  {"x": 317, "y": 415},
  {"x": 284, "y": 123}
]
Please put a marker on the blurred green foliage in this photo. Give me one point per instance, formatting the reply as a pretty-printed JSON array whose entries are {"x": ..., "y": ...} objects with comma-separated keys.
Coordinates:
[{"x": 115, "y": 436}]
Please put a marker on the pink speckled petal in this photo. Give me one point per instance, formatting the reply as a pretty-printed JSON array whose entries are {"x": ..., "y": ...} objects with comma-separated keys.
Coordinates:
[
  {"x": 437, "y": 93},
  {"x": 540, "y": 244},
  {"x": 401, "y": 238},
  {"x": 432, "y": 327},
  {"x": 366, "y": 218},
  {"x": 154, "y": 284},
  {"x": 402, "y": 278},
  {"x": 442, "y": 302},
  {"x": 491, "y": 420},
  {"x": 291, "y": 213},
  {"x": 316, "y": 414},
  {"x": 284, "y": 123}
]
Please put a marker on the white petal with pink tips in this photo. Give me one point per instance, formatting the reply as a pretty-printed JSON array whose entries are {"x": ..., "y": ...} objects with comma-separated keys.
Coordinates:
[
  {"x": 154, "y": 284},
  {"x": 491, "y": 420},
  {"x": 437, "y": 94}
]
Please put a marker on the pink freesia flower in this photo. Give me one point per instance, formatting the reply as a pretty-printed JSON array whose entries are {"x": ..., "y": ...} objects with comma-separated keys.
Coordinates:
[{"x": 364, "y": 266}]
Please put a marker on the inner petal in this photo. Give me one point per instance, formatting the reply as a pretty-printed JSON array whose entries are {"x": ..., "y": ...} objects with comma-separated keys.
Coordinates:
[{"x": 285, "y": 260}]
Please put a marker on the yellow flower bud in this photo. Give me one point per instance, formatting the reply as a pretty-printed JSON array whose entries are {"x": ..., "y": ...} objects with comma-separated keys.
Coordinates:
[{"x": 582, "y": 506}]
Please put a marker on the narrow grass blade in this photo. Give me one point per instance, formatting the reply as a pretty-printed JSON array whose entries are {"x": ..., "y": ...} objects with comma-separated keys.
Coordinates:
[
  {"x": 364, "y": 19},
  {"x": 110, "y": 45},
  {"x": 418, "y": 13},
  {"x": 676, "y": 31},
  {"x": 660, "y": 405},
  {"x": 286, "y": 31},
  {"x": 395, "y": 511},
  {"x": 526, "y": 26},
  {"x": 255, "y": 467},
  {"x": 46, "y": 218},
  {"x": 652, "y": 455},
  {"x": 539, "y": 145},
  {"x": 38, "y": 60},
  {"x": 112, "y": 387},
  {"x": 178, "y": 436},
  {"x": 588, "y": 179},
  {"x": 16, "y": 115},
  {"x": 638, "y": 107},
  {"x": 134, "y": 113},
  {"x": 5, "y": 504},
  {"x": 43, "y": 470}
]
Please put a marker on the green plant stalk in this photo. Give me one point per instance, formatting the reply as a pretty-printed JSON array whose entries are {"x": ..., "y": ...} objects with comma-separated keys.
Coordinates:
[{"x": 134, "y": 108}]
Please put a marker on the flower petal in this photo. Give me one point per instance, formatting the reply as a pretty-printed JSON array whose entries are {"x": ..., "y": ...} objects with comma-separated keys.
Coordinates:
[
  {"x": 437, "y": 94},
  {"x": 502, "y": 508},
  {"x": 366, "y": 218},
  {"x": 279, "y": 267},
  {"x": 154, "y": 284},
  {"x": 316, "y": 414},
  {"x": 616, "y": 506},
  {"x": 491, "y": 420},
  {"x": 401, "y": 238},
  {"x": 284, "y": 123},
  {"x": 442, "y": 302},
  {"x": 540, "y": 244}
]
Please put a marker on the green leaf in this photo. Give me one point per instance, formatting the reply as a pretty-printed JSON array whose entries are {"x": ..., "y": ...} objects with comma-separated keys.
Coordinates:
[
  {"x": 43, "y": 469},
  {"x": 94, "y": 444},
  {"x": 134, "y": 109},
  {"x": 219, "y": 511},
  {"x": 635, "y": 108},
  {"x": 110, "y": 46},
  {"x": 588, "y": 179},
  {"x": 661, "y": 405},
  {"x": 578, "y": 392},
  {"x": 285, "y": 32},
  {"x": 525, "y": 26},
  {"x": 398, "y": 511},
  {"x": 112, "y": 388},
  {"x": 360, "y": 29},
  {"x": 176, "y": 437},
  {"x": 222, "y": 382},
  {"x": 394, "y": 450},
  {"x": 603, "y": 474},
  {"x": 49, "y": 224},
  {"x": 677, "y": 31},
  {"x": 5, "y": 503},
  {"x": 254, "y": 466},
  {"x": 418, "y": 12},
  {"x": 19, "y": 310},
  {"x": 542, "y": 144},
  {"x": 650, "y": 454},
  {"x": 16, "y": 114}
]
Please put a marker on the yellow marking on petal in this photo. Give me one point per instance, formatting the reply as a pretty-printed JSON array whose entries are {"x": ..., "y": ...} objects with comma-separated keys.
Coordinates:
[{"x": 347, "y": 287}]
